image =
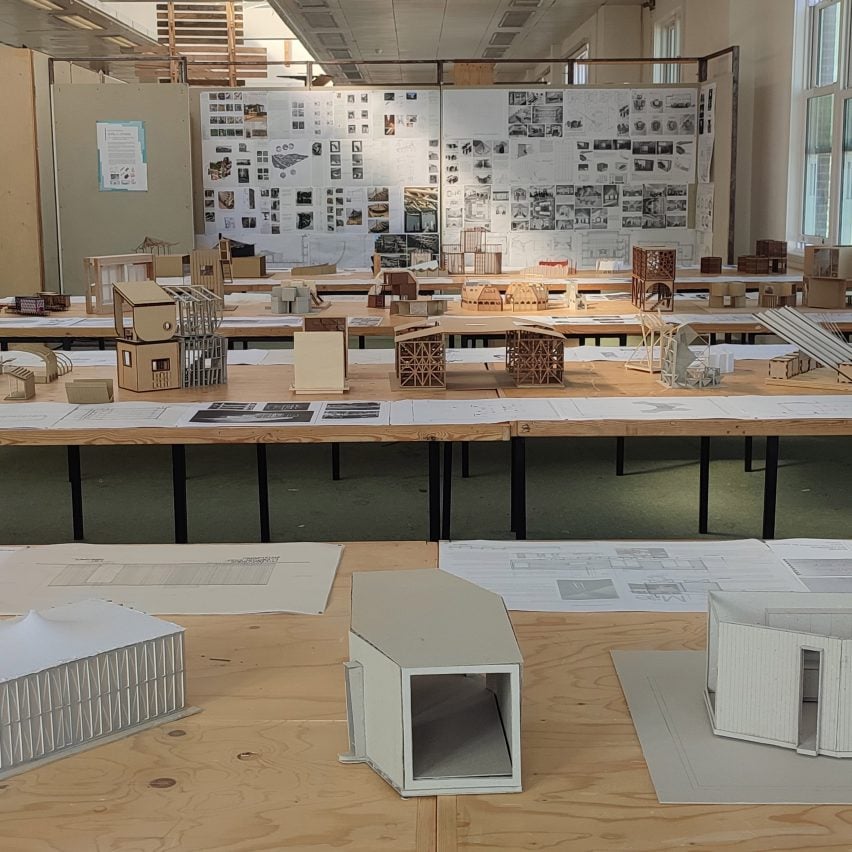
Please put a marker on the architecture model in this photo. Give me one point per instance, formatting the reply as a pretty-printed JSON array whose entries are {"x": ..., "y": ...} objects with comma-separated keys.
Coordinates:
[
  {"x": 39, "y": 304},
  {"x": 54, "y": 362},
  {"x": 100, "y": 274},
  {"x": 710, "y": 265},
  {"x": 818, "y": 348},
  {"x": 205, "y": 270},
  {"x": 487, "y": 259},
  {"x": 648, "y": 356},
  {"x": 535, "y": 353},
  {"x": 481, "y": 296},
  {"x": 89, "y": 391},
  {"x": 827, "y": 276},
  {"x": 320, "y": 359},
  {"x": 398, "y": 284},
  {"x": 770, "y": 258},
  {"x": 433, "y": 685},
  {"x": 21, "y": 382},
  {"x": 727, "y": 294},
  {"x": 171, "y": 341},
  {"x": 779, "y": 669},
  {"x": 550, "y": 269},
  {"x": 151, "y": 245},
  {"x": 520, "y": 296},
  {"x": 84, "y": 673},
  {"x": 681, "y": 366},
  {"x": 300, "y": 297},
  {"x": 653, "y": 278}
]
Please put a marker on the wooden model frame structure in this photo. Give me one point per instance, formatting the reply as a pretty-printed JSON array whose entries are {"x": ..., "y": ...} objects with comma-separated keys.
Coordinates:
[
  {"x": 487, "y": 259},
  {"x": 681, "y": 367},
  {"x": 56, "y": 363},
  {"x": 481, "y": 296},
  {"x": 648, "y": 356},
  {"x": 101, "y": 273},
  {"x": 205, "y": 270},
  {"x": 21, "y": 383},
  {"x": 778, "y": 294},
  {"x": 526, "y": 296},
  {"x": 653, "y": 277},
  {"x": 818, "y": 346},
  {"x": 151, "y": 245},
  {"x": 779, "y": 669},
  {"x": 710, "y": 265},
  {"x": 551, "y": 269},
  {"x": 433, "y": 684},
  {"x": 39, "y": 304},
  {"x": 535, "y": 353}
]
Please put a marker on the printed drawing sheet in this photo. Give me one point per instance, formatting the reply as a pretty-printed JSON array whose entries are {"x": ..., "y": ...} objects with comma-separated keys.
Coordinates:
[
  {"x": 353, "y": 412},
  {"x": 191, "y": 579},
  {"x": 605, "y": 576},
  {"x": 822, "y": 564}
]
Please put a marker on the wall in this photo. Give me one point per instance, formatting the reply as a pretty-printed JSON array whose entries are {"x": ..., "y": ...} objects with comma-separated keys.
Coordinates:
[{"x": 20, "y": 214}]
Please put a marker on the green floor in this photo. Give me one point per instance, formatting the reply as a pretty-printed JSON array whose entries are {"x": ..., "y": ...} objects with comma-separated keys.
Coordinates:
[{"x": 572, "y": 492}]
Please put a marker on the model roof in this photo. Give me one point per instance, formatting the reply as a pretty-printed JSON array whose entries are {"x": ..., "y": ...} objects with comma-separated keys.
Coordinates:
[{"x": 137, "y": 293}]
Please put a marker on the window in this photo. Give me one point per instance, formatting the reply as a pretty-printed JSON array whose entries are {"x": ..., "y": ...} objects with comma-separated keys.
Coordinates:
[
  {"x": 581, "y": 72},
  {"x": 126, "y": 358},
  {"x": 667, "y": 46},
  {"x": 825, "y": 209},
  {"x": 161, "y": 365}
]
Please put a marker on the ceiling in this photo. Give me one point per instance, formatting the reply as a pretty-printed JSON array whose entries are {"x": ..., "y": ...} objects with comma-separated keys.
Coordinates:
[
  {"x": 41, "y": 27},
  {"x": 426, "y": 29}
]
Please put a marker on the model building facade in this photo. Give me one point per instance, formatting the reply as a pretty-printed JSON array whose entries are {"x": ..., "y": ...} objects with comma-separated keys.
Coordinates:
[
  {"x": 653, "y": 278},
  {"x": 433, "y": 684},
  {"x": 76, "y": 674},
  {"x": 779, "y": 669}
]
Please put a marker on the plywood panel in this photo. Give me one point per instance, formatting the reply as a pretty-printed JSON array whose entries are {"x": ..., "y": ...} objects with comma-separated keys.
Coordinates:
[
  {"x": 20, "y": 224},
  {"x": 98, "y": 223}
]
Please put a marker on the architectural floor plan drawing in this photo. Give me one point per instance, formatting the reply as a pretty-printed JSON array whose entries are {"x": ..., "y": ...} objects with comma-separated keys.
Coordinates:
[
  {"x": 822, "y": 564},
  {"x": 196, "y": 579},
  {"x": 590, "y": 576}
]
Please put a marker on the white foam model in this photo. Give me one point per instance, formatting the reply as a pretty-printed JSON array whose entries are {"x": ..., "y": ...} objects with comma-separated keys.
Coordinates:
[
  {"x": 779, "y": 669},
  {"x": 433, "y": 685},
  {"x": 81, "y": 673}
]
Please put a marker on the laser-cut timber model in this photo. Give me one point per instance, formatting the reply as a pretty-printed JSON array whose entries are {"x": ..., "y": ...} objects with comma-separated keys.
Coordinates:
[
  {"x": 653, "y": 278},
  {"x": 551, "y": 269},
  {"x": 824, "y": 359},
  {"x": 321, "y": 356},
  {"x": 54, "y": 362},
  {"x": 84, "y": 673},
  {"x": 776, "y": 252},
  {"x": 397, "y": 284},
  {"x": 152, "y": 245},
  {"x": 526, "y": 296},
  {"x": 205, "y": 270},
  {"x": 711, "y": 265},
  {"x": 780, "y": 294},
  {"x": 487, "y": 258},
  {"x": 648, "y": 356},
  {"x": 727, "y": 294},
  {"x": 433, "y": 684},
  {"x": 21, "y": 383},
  {"x": 39, "y": 304},
  {"x": 779, "y": 669},
  {"x": 101, "y": 273},
  {"x": 535, "y": 353},
  {"x": 481, "y": 296},
  {"x": 224, "y": 247}
]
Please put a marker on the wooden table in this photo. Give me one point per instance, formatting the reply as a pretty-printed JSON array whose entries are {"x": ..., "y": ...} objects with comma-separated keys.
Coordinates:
[
  {"x": 253, "y": 328},
  {"x": 257, "y": 770}
]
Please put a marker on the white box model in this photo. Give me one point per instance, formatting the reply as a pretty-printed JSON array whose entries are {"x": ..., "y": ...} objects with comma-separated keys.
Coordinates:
[
  {"x": 78, "y": 674},
  {"x": 779, "y": 669},
  {"x": 433, "y": 684}
]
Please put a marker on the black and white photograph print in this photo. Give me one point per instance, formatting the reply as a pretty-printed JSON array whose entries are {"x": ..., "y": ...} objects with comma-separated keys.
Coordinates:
[
  {"x": 249, "y": 416},
  {"x": 377, "y": 193},
  {"x": 352, "y": 411},
  {"x": 316, "y": 149},
  {"x": 305, "y": 221},
  {"x": 334, "y": 146},
  {"x": 304, "y": 196}
]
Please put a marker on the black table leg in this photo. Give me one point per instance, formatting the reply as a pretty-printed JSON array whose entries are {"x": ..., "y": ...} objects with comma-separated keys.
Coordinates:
[
  {"x": 518, "y": 488},
  {"x": 76, "y": 479},
  {"x": 263, "y": 492},
  {"x": 447, "y": 492},
  {"x": 245, "y": 344},
  {"x": 335, "y": 461},
  {"x": 619, "y": 456},
  {"x": 179, "y": 492},
  {"x": 230, "y": 343},
  {"x": 622, "y": 340},
  {"x": 362, "y": 341},
  {"x": 101, "y": 344},
  {"x": 465, "y": 460},
  {"x": 704, "y": 485},
  {"x": 770, "y": 486},
  {"x": 748, "y": 454},
  {"x": 434, "y": 490},
  {"x": 4, "y": 345}
]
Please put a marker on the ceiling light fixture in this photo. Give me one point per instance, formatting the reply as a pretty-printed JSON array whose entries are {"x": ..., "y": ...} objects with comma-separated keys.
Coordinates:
[
  {"x": 80, "y": 22},
  {"x": 44, "y": 5},
  {"x": 120, "y": 41}
]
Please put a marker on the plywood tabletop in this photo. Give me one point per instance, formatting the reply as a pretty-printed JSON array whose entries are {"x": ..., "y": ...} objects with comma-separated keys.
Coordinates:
[{"x": 257, "y": 770}]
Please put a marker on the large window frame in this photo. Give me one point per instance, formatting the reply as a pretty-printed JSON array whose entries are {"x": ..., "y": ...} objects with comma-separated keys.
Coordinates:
[
  {"x": 822, "y": 213},
  {"x": 667, "y": 45},
  {"x": 581, "y": 69}
]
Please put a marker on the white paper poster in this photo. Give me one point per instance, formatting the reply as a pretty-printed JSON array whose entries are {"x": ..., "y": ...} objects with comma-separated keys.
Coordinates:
[{"x": 122, "y": 158}]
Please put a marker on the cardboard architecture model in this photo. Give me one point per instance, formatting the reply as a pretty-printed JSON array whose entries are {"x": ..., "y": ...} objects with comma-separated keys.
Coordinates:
[
  {"x": 779, "y": 669},
  {"x": 433, "y": 685},
  {"x": 397, "y": 284},
  {"x": 727, "y": 294},
  {"x": 171, "y": 341},
  {"x": 770, "y": 258},
  {"x": 101, "y": 273},
  {"x": 653, "y": 278},
  {"x": 487, "y": 259},
  {"x": 481, "y": 296},
  {"x": 320, "y": 356},
  {"x": 711, "y": 265},
  {"x": 520, "y": 296},
  {"x": 39, "y": 304},
  {"x": 818, "y": 347},
  {"x": 535, "y": 353},
  {"x": 827, "y": 276},
  {"x": 84, "y": 673},
  {"x": 777, "y": 294},
  {"x": 89, "y": 391},
  {"x": 55, "y": 363},
  {"x": 21, "y": 382},
  {"x": 205, "y": 270}
]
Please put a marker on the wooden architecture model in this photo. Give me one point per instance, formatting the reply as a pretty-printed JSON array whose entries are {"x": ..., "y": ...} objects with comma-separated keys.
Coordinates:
[
  {"x": 397, "y": 284},
  {"x": 101, "y": 273},
  {"x": 654, "y": 269},
  {"x": 778, "y": 294},
  {"x": 55, "y": 363},
  {"x": 39, "y": 304},
  {"x": 550, "y": 269},
  {"x": 295, "y": 298},
  {"x": 770, "y": 258},
  {"x": 481, "y": 296},
  {"x": 487, "y": 259},
  {"x": 21, "y": 382},
  {"x": 151, "y": 245},
  {"x": 648, "y": 356},
  {"x": 779, "y": 668},
  {"x": 205, "y": 270},
  {"x": 711, "y": 265},
  {"x": 727, "y": 294},
  {"x": 147, "y": 352},
  {"x": 681, "y": 367},
  {"x": 827, "y": 276},
  {"x": 80, "y": 674},
  {"x": 526, "y": 296},
  {"x": 321, "y": 356},
  {"x": 418, "y": 307},
  {"x": 824, "y": 358},
  {"x": 535, "y": 353},
  {"x": 89, "y": 391},
  {"x": 433, "y": 684}
]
